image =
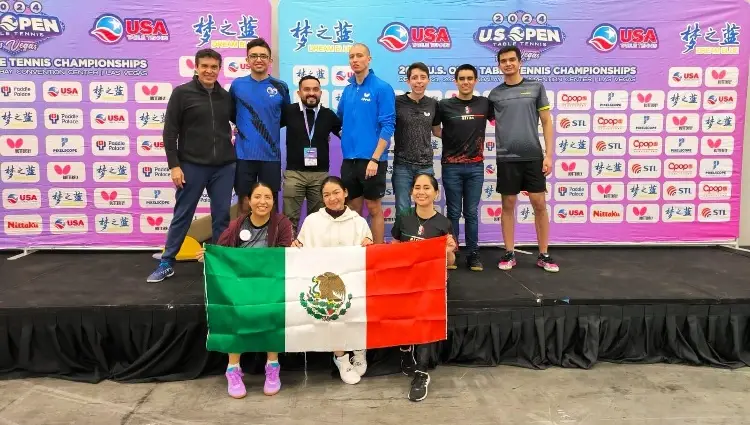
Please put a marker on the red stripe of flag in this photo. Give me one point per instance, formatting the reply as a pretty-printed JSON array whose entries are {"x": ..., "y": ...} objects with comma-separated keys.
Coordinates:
[{"x": 406, "y": 293}]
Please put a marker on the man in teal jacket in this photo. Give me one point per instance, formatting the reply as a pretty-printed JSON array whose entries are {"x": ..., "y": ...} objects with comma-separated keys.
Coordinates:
[{"x": 367, "y": 110}]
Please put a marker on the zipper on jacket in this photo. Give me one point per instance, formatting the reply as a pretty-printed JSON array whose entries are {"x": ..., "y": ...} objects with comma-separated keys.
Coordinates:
[{"x": 213, "y": 123}]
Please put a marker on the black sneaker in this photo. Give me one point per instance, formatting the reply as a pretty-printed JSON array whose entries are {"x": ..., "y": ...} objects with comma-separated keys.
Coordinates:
[
  {"x": 419, "y": 384},
  {"x": 474, "y": 263},
  {"x": 408, "y": 363}
]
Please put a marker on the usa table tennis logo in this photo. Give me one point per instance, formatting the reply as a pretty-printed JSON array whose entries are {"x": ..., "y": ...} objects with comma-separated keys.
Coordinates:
[
  {"x": 109, "y": 28},
  {"x": 340, "y": 75},
  {"x": 109, "y": 119},
  {"x": 62, "y": 91},
  {"x": 720, "y": 100},
  {"x": 150, "y": 146},
  {"x": 685, "y": 76},
  {"x": 490, "y": 169},
  {"x": 22, "y": 199},
  {"x": 68, "y": 223},
  {"x": 396, "y": 37},
  {"x": 571, "y": 213}
]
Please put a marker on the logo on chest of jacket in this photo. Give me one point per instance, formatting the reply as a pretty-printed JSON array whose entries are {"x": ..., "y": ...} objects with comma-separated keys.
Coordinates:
[{"x": 366, "y": 97}]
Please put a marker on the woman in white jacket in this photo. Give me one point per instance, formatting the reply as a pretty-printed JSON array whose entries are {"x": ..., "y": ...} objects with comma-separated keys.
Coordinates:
[{"x": 336, "y": 225}]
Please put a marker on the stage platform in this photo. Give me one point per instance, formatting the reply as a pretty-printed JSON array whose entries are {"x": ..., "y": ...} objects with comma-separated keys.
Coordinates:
[{"x": 90, "y": 316}]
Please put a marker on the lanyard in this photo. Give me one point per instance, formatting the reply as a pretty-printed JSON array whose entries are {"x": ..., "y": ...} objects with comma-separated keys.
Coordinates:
[{"x": 312, "y": 130}]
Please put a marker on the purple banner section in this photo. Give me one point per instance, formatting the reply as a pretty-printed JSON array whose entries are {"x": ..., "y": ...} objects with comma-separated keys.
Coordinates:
[
  {"x": 82, "y": 102},
  {"x": 648, "y": 101}
]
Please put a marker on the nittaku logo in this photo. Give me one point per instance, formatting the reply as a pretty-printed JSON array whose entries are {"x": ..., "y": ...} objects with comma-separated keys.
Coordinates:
[
  {"x": 530, "y": 33},
  {"x": 605, "y": 38},
  {"x": 396, "y": 37},
  {"x": 24, "y": 27}
]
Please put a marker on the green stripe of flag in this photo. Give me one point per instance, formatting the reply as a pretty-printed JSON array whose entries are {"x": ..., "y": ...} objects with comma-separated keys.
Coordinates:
[{"x": 245, "y": 299}]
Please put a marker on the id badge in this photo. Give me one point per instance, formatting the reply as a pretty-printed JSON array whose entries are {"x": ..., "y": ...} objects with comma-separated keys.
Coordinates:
[{"x": 311, "y": 157}]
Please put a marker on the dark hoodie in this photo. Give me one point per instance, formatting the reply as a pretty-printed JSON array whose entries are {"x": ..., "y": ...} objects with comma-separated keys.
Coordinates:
[{"x": 280, "y": 233}]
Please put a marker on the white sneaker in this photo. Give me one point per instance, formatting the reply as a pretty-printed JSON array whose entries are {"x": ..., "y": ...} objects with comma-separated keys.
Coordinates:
[
  {"x": 346, "y": 369},
  {"x": 360, "y": 362}
]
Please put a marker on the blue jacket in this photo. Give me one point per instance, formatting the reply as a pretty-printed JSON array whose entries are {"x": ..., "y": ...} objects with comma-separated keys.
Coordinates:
[
  {"x": 259, "y": 105},
  {"x": 368, "y": 113}
]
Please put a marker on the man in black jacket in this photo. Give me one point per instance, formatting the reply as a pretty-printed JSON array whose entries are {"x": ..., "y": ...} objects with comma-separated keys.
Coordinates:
[{"x": 200, "y": 154}]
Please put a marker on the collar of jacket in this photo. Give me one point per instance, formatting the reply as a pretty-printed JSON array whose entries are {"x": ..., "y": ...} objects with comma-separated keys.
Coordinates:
[{"x": 200, "y": 86}]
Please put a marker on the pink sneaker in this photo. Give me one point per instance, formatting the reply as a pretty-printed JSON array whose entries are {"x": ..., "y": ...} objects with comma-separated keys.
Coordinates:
[
  {"x": 547, "y": 263},
  {"x": 507, "y": 261},
  {"x": 235, "y": 386},
  {"x": 273, "y": 382}
]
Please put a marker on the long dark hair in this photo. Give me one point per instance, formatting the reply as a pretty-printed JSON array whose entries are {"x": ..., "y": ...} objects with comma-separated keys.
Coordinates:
[
  {"x": 255, "y": 187},
  {"x": 433, "y": 183}
]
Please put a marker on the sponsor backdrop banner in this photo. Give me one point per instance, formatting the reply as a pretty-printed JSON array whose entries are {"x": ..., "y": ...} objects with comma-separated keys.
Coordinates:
[
  {"x": 648, "y": 100},
  {"x": 82, "y": 101}
]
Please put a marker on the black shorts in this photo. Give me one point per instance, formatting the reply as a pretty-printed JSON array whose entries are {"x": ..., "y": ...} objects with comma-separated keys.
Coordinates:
[
  {"x": 514, "y": 177},
  {"x": 353, "y": 175},
  {"x": 249, "y": 172}
]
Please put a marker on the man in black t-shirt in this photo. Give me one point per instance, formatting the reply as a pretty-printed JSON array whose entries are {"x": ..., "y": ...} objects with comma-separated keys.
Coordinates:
[
  {"x": 417, "y": 120},
  {"x": 308, "y": 129},
  {"x": 464, "y": 120}
]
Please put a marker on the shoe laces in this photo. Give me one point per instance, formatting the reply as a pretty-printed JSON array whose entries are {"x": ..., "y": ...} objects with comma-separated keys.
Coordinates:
[
  {"x": 272, "y": 373},
  {"x": 508, "y": 256},
  {"x": 235, "y": 378},
  {"x": 547, "y": 259},
  {"x": 420, "y": 379},
  {"x": 358, "y": 359}
]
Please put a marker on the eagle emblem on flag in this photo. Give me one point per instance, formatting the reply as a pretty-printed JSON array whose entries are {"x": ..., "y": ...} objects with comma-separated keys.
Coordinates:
[{"x": 326, "y": 299}]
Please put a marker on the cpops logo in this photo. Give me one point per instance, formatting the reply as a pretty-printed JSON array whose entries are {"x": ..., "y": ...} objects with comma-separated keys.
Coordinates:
[
  {"x": 680, "y": 168},
  {"x": 645, "y": 145},
  {"x": 715, "y": 190},
  {"x": 610, "y": 123},
  {"x": 574, "y": 100}
]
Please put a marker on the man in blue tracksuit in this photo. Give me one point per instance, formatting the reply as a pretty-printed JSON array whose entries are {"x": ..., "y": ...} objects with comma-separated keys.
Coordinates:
[
  {"x": 259, "y": 100},
  {"x": 367, "y": 110}
]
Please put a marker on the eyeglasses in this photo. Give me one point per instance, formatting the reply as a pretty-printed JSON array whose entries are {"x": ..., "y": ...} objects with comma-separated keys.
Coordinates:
[{"x": 254, "y": 57}]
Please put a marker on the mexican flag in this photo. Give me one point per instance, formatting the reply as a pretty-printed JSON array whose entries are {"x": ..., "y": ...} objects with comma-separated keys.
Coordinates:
[{"x": 325, "y": 299}]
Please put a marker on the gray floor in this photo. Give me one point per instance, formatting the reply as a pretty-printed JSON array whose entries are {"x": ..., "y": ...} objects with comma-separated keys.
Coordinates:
[{"x": 607, "y": 395}]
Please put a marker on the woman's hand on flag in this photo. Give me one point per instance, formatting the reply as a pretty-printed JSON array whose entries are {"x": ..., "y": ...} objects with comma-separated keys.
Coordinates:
[
  {"x": 450, "y": 244},
  {"x": 201, "y": 253},
  {"x": 366, "y": 241},
  {"x": 296, "y": 243}
]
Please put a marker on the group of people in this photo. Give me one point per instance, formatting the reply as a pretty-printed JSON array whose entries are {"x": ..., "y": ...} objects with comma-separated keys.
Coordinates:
[{"x": 201, "y": 156}]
